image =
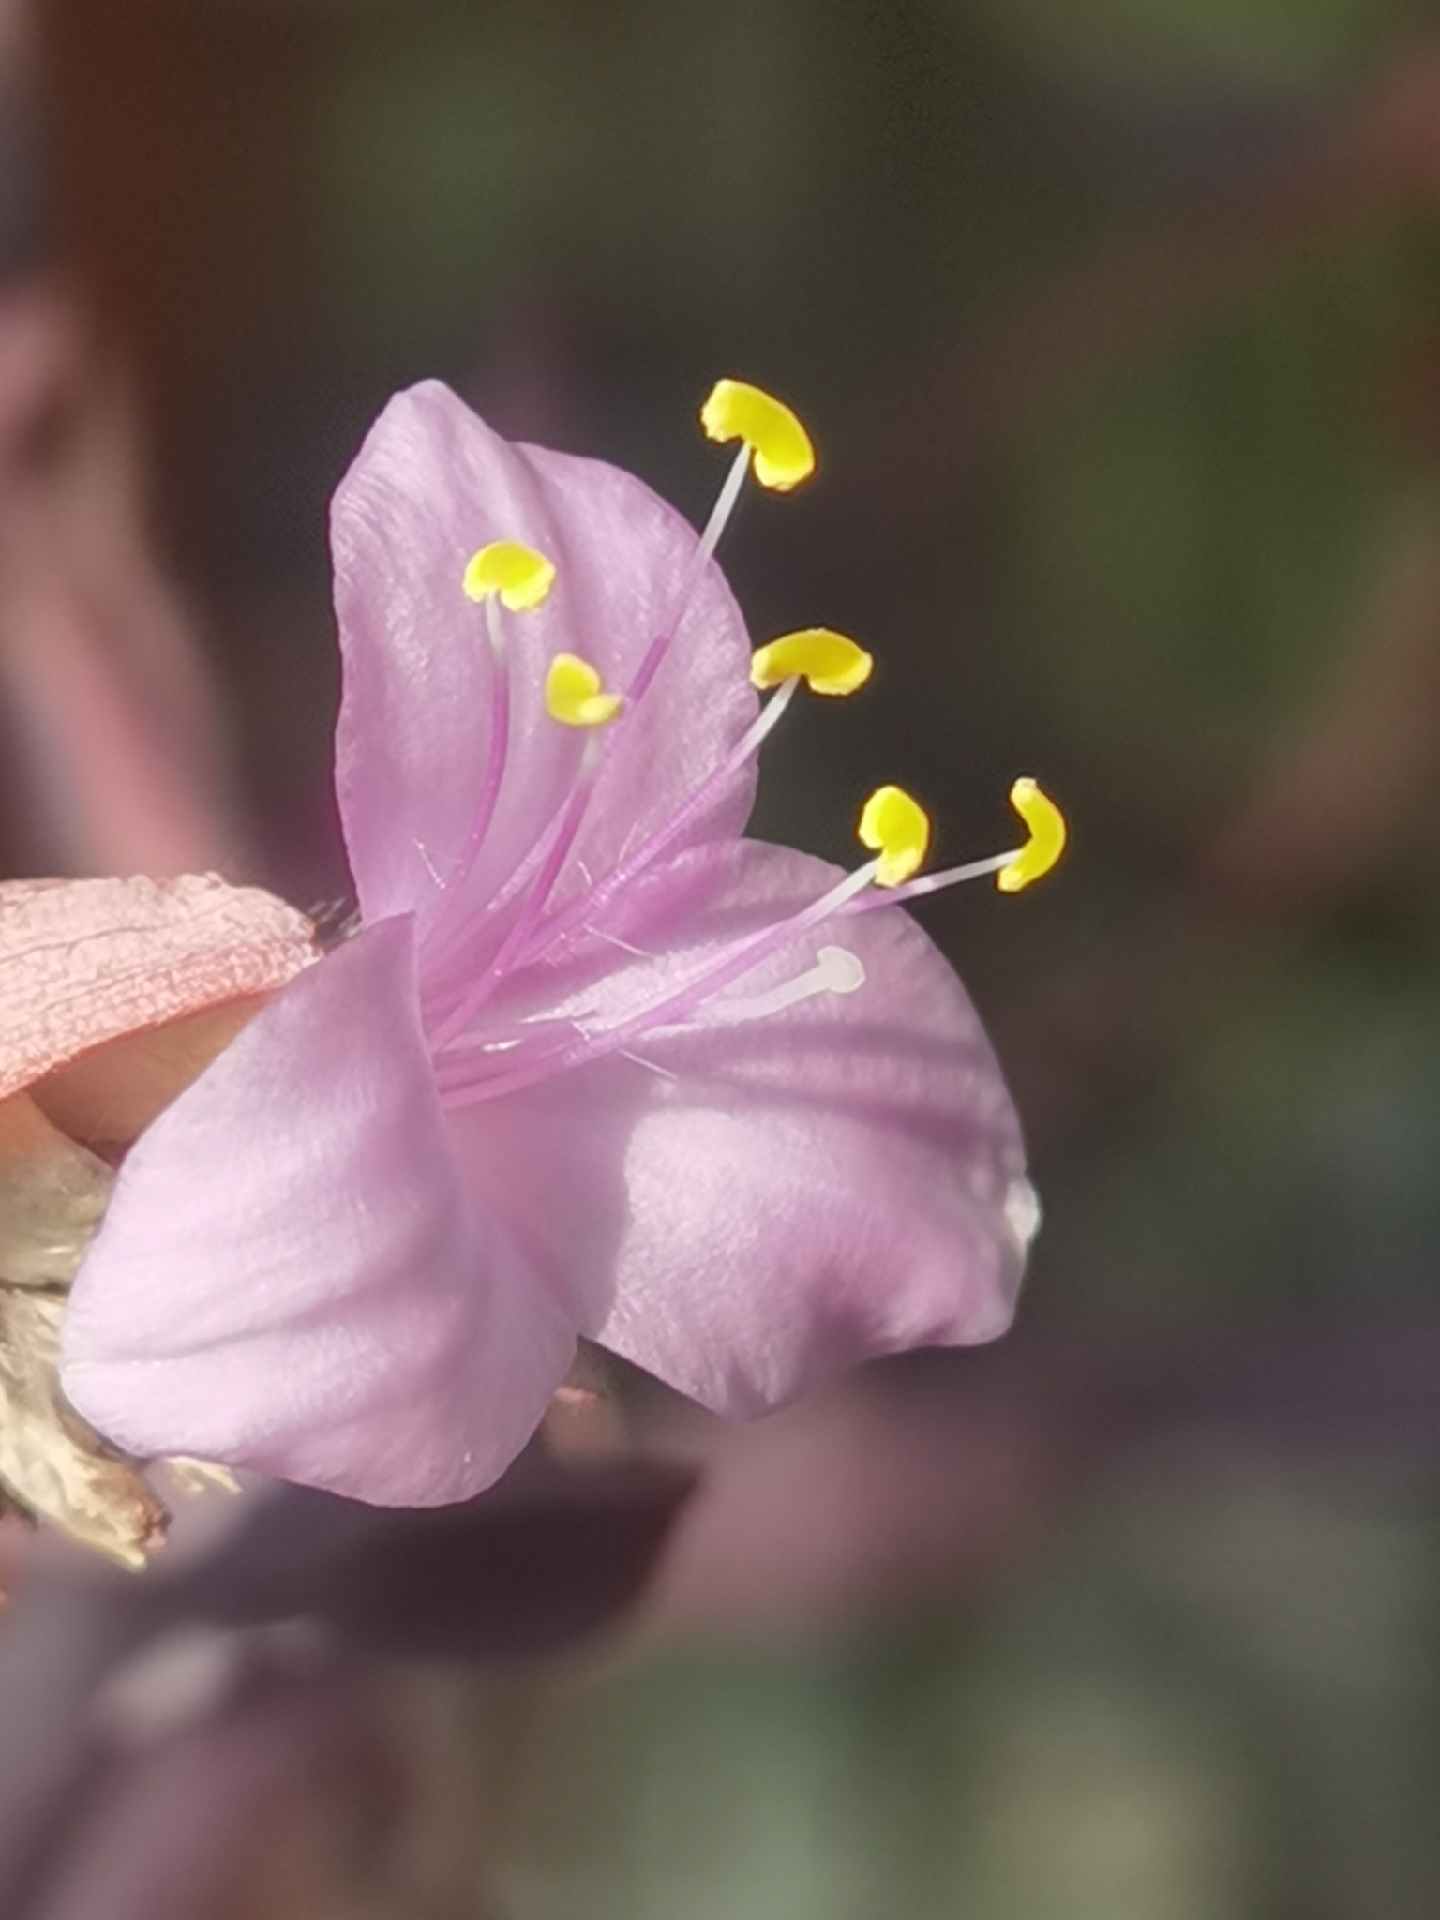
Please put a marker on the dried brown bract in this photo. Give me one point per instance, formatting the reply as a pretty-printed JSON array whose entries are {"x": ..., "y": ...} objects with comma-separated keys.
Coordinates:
[{"x": 52, "y": 1465}]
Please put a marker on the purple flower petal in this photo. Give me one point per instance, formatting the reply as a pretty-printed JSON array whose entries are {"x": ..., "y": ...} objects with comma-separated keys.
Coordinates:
[
  {"x": 430, "y": 486},
  {"x": 747, "y": 1206},
  {"x": 617, "y": 1098},
  {"x": 291, "y": 1277}
]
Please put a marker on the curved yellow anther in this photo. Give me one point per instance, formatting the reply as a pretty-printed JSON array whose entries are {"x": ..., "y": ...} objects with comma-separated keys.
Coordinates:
[
  {"x": 521, "y": 576},
  {"x": 781, "y": 447},
  {"x": 826, "y": 661},
  {"x": 1046, "y": 842},
  {"x": 898, "y": 829},
  {"x": 574, "y": 695}
]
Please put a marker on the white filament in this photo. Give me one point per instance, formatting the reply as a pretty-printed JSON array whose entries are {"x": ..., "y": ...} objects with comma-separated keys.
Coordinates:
[{"x": 721, "y": 511}]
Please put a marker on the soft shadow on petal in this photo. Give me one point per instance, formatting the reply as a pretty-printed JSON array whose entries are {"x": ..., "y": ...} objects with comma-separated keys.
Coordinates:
[
  {"x": 432, "y": 484},
  {"x": 808, "y": 1189},
  {"x": 291, "y": 1276}
]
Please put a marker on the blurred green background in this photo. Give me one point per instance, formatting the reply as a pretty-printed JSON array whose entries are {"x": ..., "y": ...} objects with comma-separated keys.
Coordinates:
[{"x": 1118, "y": 325}]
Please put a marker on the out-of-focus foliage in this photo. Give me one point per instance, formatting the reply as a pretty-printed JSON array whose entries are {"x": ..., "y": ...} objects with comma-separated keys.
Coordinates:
[
  {"x": 1274, "y": 39},
  {"x": 1201, "y": 1705},
  {"x": 1196, "y": 537}
]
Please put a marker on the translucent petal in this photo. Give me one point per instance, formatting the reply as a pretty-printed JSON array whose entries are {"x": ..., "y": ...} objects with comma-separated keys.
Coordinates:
[
  {"x": 431, "y": 484},
  {"x": 292, "y": 1277}
]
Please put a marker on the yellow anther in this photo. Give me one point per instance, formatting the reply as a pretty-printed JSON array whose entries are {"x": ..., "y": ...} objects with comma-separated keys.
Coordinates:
[
  {"x": 1046, "y": 842},
  {"x": 827, "y": 661},
  {"x": 521, "y": 576},
  {"x": 898, "y": 829},
  {"x": 781, "y": 447},
  {"x": 574, "y": 695}
]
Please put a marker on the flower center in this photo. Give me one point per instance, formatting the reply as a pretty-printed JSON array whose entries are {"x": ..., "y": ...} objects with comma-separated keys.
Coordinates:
[{"x": 478, "y": 1058}]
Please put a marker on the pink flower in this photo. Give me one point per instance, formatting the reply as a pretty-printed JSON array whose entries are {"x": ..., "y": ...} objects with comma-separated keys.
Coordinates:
[{"x": 593, "y": 1063}]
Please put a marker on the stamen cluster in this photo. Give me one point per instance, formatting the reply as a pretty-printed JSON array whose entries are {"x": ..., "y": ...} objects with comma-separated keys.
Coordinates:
[{"x": 479, "y": 1058}]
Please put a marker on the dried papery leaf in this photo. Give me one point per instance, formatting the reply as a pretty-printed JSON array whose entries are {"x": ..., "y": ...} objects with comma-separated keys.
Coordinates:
[
  {"x": 110, "y": 1095},
  {"x": 51, "y": 1464},
  {"x": 53, "y": 1195},
  {"x": 84, "y": 962}
]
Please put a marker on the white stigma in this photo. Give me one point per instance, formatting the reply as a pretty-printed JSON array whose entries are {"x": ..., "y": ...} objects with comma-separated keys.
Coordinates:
[{"x": 836, "y": 970}]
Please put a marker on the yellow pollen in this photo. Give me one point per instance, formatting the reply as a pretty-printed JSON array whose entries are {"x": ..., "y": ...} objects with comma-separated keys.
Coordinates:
[
  {"x": 898, "y": 829},
  {"x": 1046, "y": 842},
  {"x": 521, "y": 576},
  {"x": 781, "y": 447},
  {"x": 827, "y": 661},
  {"x": 574, "y": 695}
]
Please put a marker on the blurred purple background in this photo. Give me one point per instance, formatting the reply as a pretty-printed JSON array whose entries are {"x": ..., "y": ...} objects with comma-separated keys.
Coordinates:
[{"x": 1118, "y": 325}]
